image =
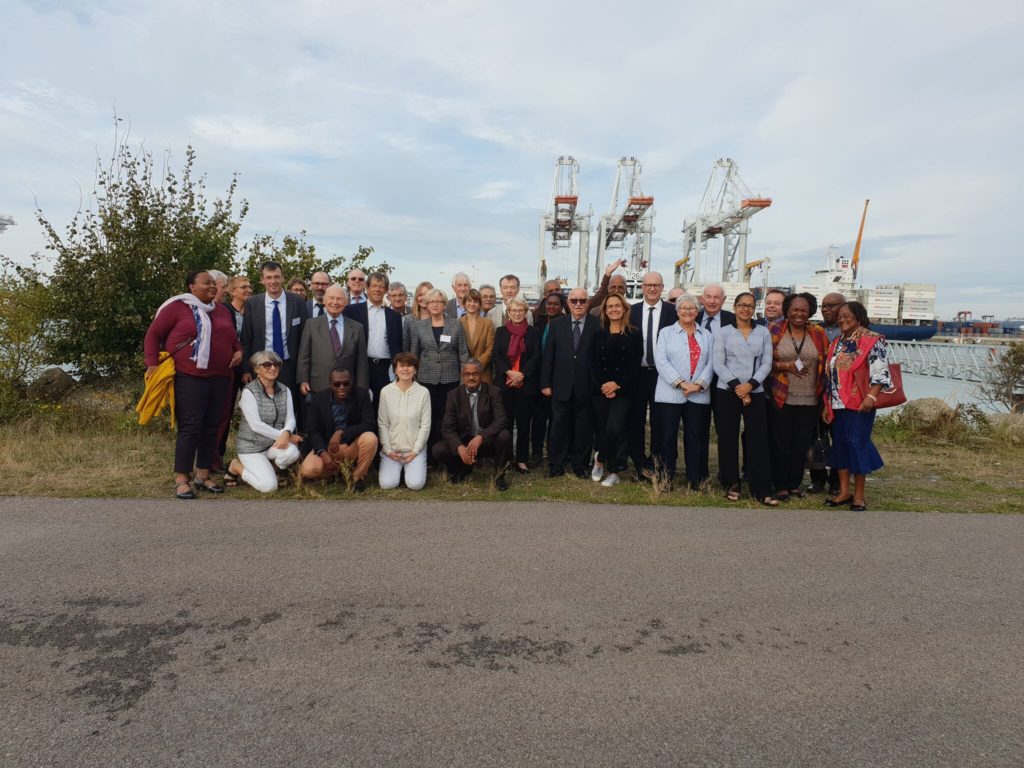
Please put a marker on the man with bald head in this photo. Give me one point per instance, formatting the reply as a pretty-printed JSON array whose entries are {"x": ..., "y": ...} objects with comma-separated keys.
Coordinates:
[
  {"x": 610, "y": 283},
  {"x": 829, "y": 307},
  {"x": 331, "y": 341},
  {"x": 318, "y": 284},
  {"x": 565, "y": 378}
]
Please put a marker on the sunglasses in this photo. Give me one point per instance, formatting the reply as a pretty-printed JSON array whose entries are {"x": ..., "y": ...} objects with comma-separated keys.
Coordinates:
[
  {"x": 357, "y": 279},
  {"x": 577, "y": 301},
  {"x": 341, "y": 384},
  {"x": 270, "y": 365}
]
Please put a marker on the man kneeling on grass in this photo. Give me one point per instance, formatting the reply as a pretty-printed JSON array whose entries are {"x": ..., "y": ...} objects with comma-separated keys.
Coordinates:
[
  {"x": 340, "y": 428},
  {"x": 473, "y": 427}
]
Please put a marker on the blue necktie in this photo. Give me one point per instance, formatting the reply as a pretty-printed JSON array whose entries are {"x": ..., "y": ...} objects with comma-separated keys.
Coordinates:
[{"x": 278, "y": 337}]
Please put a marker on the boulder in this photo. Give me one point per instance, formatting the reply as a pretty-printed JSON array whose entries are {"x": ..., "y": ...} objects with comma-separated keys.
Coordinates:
[
  {"x": 928, "y": 412},
  {"x": 1015, "y": 428},
  {"x": 51, "y": 385}
]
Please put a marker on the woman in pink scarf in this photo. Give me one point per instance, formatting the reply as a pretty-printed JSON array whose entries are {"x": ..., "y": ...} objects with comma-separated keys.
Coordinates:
[{"x": 517, "y": 373}]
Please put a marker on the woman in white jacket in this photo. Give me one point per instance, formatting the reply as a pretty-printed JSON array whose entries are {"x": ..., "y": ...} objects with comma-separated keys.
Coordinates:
[{"x": 403, "y": 422}]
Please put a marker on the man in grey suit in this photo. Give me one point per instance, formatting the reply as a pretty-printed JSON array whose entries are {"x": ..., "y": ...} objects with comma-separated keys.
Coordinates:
[
  {"x": 456, "y": 306},
  {"x": 273, "y": 320},
  {"x": 332, "y": 341}
]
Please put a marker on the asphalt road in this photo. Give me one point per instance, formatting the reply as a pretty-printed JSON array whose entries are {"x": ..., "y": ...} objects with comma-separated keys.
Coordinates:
[{"x": 223, "y": 633}]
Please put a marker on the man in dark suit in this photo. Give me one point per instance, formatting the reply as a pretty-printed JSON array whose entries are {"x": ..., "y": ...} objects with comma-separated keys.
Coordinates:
[
  {"x": 565, "y": 378},
  {"x": 341, "y": 427},
  {"x": 649, "y": 317},
  {"x": 711, "y": 318},
  {"x": 331, "y": 341},
  {"x": 383, "y": 327},
  {"x": 473, "y": 427},
  {"x": 318, "y": 283},
  {"x": 274, "y": 320}
]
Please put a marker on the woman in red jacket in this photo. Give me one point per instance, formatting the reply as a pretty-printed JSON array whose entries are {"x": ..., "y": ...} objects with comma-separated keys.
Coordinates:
[{"x": 199, "y": 333}]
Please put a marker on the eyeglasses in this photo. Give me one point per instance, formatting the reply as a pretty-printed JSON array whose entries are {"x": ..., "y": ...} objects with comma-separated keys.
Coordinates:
[
  {"x": 578, "y": 301},
  {"x": 744, "y": 306},
  {"x": 357, "y": 279},
  {"x": 341, "y": 384},
  {"x": 653, "y": 285},
  {"x": 831, "y": 306},
  {"x": 269, "y": 365}
]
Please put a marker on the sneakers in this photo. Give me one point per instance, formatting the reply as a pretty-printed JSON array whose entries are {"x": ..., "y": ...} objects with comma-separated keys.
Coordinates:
[
  {"x": 597, "y": 472},
  {"x": 609, "y": 481}
]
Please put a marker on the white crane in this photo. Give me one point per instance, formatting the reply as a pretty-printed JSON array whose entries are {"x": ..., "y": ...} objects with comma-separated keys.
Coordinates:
[
  {"x": 725, "y": 211},
  {"x": 563, "y": 221},
  {"x": 630, "y": 219},
  {"x": 6, "y": 221}
]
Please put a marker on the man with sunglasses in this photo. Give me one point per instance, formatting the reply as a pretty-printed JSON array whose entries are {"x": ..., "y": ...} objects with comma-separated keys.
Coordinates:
[
  {"x": 356, "y": 283},
  {"x": 565, "y": 378},
  {"x": 340, "y": 429}
]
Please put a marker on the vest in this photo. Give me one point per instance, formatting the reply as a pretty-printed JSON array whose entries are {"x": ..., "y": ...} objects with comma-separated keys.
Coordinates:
[{"x": 273, "y": 411}]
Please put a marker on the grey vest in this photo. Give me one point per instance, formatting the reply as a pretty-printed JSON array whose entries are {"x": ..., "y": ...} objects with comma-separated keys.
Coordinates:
[{"x": 273, "y": 411}]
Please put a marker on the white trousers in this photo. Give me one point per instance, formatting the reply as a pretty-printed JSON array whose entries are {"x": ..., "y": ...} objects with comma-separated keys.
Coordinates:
[
  {"x": 257, "y": 470},
  {"x": 390, "y": 473}
]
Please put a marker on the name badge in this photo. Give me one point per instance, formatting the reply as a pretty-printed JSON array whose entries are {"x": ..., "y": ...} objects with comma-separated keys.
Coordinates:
[
  {"x": 445, "y": 338},
  {"x": 296, "y": 320}
]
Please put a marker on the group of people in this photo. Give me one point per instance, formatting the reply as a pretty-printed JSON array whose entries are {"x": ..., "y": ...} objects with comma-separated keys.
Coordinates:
[{"x": 338, "y": 378}]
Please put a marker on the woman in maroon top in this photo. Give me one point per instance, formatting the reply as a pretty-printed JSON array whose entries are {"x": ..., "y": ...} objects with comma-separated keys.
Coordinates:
[{"x": 199, "y": 333}]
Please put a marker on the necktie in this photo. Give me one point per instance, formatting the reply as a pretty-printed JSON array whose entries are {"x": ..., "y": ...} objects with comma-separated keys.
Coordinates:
[
  {"x": 319, "y": 310},
  {"x": 650, "y": 336},
  {"x": 473, "y": 396},
  {"x": 577, "y": 334},
  {"x": 278, "y": 336},
  {"x": 335, "y": 341},
  {"x": 707, "y": 323}
]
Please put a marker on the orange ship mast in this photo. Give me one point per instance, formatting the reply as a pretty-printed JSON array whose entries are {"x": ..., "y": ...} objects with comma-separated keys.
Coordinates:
[{"x": 855, "y": 261}]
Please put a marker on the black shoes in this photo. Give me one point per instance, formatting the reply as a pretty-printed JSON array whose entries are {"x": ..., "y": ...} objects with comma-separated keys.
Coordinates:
[{"x": 500, "y": 483}]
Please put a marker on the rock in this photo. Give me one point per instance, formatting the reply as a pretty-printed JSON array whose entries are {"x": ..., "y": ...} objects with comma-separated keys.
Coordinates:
[
  {"x": 928, "y": 412},
  {"x": 1015, "y": 428},
  {"x": 51, "y": 385}
]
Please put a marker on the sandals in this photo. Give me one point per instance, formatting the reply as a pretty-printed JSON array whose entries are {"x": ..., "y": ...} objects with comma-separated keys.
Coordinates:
[
  {"x": 201, "y": 485},
  {"x": 232, "y": 479},
  {"x": 769, "y": 501},
  {"x": 796, "y": 493},
  {"x": 188, "y": 493},
  {"x": 733, "y": 494}
]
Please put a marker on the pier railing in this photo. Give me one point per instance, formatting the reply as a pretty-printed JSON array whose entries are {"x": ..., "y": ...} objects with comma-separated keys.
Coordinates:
[{"x": 965, "y": 362}]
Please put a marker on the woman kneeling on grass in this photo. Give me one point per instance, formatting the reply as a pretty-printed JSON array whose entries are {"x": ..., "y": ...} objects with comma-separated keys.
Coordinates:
[
  {"x": 403, "y": 423},
  {"x": 265, "y": 433}
]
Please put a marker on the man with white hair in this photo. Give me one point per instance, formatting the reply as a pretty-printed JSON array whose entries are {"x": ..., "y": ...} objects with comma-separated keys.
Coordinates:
[
  {"x": 356, "y": 282},
  {"x": 711, "y": 318},
  {"x": 456, "y": 307}
]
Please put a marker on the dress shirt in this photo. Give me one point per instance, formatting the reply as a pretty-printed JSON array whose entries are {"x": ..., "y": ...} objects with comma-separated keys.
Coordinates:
[
  {"x": 377, "y": 336},
  {"x": 645, "y": 321},
  {"x": 282, "y": 307},
  {"x": 360, "y": 299},
  {"x": 474, "y": 398},
  {"x": 339, "y": 327},
  {"x": 741, "y": 360},
  {"x": 716, "y": 322},
  {"x": 318, "y": 309}
]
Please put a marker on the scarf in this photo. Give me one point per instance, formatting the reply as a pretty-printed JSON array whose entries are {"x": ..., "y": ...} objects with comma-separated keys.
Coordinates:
[
  {"x": 778, "y": 382},
  {"x": 201, "y": 317},
  {"x": 516, "y": 342}
]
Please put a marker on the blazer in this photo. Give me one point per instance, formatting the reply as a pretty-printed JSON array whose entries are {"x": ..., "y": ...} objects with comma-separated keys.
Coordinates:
[
  {"x": 392, "y": 325},
  {"x": 317, "y": 358},
  {"x": 672, "y": 357},
  {"x": 480, "y": 344},
  {"x": 451, "y": 309},
  {"x": 638, "y": 319},
  {"x": 529, "y": 361},
  {"x": 456, "y": 426},
  {"x": 439, "y": 363},
  {"x": 310, "y": 305},
  {"x": 254, "y": 328},
  {"x": 565, "y": 372},
  {"x": 727, "y": 318},
  {"x": 320, "y": 419},
  {"x": 615, "y": 357}
]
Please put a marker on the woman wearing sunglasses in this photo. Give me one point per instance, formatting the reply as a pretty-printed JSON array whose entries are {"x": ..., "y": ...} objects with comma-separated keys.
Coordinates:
[{"x": 266, "y": 431}]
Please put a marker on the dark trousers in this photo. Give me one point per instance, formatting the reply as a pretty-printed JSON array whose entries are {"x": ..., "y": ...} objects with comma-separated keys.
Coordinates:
[
  {"x": 705, "y": 473},
  {"x": 642, "y": 403},
  {"x": 500, "y": 447},
  {"x": 198, "y": 405},
  {"x": 540, "y": 424},
  {"x": 790, "y": 434},
  {"x": 827, "y": 476},
  {"x": 612, "y": 416},
  {"x": 696, "y": 419},
  {"x": 519, "y": 414},
  {"x": 729, "y": 411},
  {"x": 229, "y": 410},
  {"x": 438, "y": 398},
  {"x": 572, "y": 421},
  {"x": 379, "y": 377}
]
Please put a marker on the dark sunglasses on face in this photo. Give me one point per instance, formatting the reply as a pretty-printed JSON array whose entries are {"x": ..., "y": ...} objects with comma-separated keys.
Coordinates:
[
  {"x": 577, "y": 301},
  {"x": 340, "y": 384},
  {"x": 269, "y": 365}
]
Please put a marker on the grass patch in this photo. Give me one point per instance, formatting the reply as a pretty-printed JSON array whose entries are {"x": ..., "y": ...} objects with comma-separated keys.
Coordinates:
[{"x": 84, "y": 451}]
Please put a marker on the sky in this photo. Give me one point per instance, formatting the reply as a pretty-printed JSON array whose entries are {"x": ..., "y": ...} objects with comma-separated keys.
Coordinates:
[{"x": 430, "y": 130}]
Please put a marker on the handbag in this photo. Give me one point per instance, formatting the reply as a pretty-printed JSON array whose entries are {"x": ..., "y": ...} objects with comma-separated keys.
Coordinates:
[
  {"x": 817, "y": 451},
  {"x": 887, "y": 398}
]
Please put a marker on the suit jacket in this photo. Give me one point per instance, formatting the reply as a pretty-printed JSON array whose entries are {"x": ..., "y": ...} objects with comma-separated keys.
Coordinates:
[
  {"x": 317, "y": 358},
  {"x": 727, "y": 318},
  {"x": 451, "y": 309},
  {"x": 638, "y": 317},
  {"x": 310, "y": 306},
  {"x": 480, "y": 344},
  {"x": 392, "y": 326},
  {"x": 567, "y": 373},
  {"x": 439, "y": 363},
  {"x": 320, "y": 419},
  {"x": 254, "y": 330},
  {"x": 457, "y": 424},
  {"x": 529, "y": 362}
]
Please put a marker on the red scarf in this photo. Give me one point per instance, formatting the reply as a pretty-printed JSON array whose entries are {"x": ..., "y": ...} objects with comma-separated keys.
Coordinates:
[
  {"x": 516, "y": 342},
  {"x": 846, "y": 363}
]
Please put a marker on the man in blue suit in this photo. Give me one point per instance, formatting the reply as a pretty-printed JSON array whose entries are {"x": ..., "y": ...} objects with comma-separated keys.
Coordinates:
[
  {"x": 711, "y": 318},
  {"x": 649, "y": 317},
  {"x": 383, "y": 328}
]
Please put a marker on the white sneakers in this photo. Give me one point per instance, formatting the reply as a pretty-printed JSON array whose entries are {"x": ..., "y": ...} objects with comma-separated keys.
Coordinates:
[
  {"x": 597, "y": 472},
  {"x": 611, "y": 480}
]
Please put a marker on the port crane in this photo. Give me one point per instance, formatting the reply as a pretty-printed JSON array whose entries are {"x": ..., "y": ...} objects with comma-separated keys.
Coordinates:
[
  {"x": 6, "y": 221},
  {"x": 725, "y": 211},
  {"x": 563, "y": 220},
  {"x": 629, "y": 219}
]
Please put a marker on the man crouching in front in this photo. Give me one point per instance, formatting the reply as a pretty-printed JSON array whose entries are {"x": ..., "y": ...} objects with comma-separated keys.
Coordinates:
[
  {"x": 473, "y": 427},
  {"x": 340, "y": 427}
]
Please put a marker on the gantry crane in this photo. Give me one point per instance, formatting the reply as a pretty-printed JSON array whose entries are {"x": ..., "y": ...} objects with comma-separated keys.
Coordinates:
[
  {"x": 725, "y": 211},
  {"x": 631, "y": 218},
  {"x": 563, "y": 220},
  {"x": 6, "y": 221}
]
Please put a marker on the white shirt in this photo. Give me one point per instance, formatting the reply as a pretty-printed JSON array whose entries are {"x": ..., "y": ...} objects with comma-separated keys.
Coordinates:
[
  {"x": 377, "y": 332},
  {"x": 282, "y": 307},
  {"x": 251, "y": 411},
  {"x": 657, "y": 324}
]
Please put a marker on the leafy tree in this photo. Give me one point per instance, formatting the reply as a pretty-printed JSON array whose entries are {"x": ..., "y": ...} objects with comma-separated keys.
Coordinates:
[
  {"x": 25, "y": 307},
  {"x": 299, "y": 259},
  {"x": 1004, "y": 381},
  {"x": 130, "y": 251}
]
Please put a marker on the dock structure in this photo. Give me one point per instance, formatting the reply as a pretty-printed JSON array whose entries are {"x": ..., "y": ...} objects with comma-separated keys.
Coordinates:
[{"x": 963, "y": 362}]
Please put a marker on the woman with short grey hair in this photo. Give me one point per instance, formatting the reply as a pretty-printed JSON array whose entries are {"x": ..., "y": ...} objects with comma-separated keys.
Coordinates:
[{"x": 266, "y": 431}]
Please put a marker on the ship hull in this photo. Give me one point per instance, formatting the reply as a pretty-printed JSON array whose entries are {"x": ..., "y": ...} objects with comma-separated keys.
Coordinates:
[{"x": 905, "y": 332}]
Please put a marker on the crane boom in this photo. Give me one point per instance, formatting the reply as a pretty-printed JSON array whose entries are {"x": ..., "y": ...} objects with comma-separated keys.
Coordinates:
[
  {"x": 630, "y": 218},
  {"x": 563, "y": 219}
]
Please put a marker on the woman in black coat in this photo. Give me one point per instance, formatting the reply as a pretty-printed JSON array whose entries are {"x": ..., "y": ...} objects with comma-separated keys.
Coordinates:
[{"x": 517, "y": 374}]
